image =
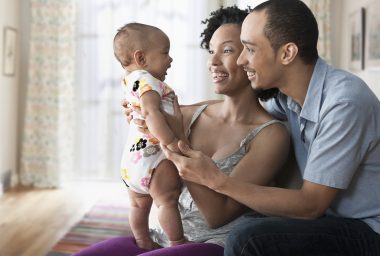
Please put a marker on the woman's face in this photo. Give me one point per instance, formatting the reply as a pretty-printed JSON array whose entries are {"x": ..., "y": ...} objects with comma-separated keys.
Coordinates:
[{"x": 225, "y": 48}]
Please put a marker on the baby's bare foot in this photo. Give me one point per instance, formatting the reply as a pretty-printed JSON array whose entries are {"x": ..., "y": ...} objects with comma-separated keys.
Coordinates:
[
  {"x": 183, "y": 240},
  {"x": 147, "y": 244}
]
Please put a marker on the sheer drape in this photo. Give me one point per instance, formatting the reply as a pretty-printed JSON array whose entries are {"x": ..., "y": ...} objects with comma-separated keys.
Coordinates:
[
  {"x": 46, "y": 152},
  {"x": 101, "y": 125}
]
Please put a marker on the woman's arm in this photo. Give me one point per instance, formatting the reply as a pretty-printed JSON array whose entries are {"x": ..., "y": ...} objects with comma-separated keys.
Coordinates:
[{"x": 266, "y": 155}]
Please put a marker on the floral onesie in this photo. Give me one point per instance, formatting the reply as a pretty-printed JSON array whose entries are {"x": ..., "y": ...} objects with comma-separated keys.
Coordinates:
[{"x": 142, "y": 152}]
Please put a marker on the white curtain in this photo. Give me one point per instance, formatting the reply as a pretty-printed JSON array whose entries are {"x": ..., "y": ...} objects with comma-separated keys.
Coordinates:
[
  {"x": 101, "y": 126},
  {"x": 46, "y": 153}
]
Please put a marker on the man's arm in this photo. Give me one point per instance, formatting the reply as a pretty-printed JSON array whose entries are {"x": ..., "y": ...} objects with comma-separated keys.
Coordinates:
[{"x": 311, "y": 201}]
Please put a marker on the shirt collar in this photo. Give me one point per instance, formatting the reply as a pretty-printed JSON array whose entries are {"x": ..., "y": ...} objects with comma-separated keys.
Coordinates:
[{"x": 313, "y": 99}]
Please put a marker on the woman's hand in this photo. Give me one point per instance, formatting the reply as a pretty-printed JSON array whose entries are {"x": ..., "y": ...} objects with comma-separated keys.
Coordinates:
[
  {"x": 195, "y": 166},
  {"x": 129, "y": 114},
  {"x": 127, "y": 110}
]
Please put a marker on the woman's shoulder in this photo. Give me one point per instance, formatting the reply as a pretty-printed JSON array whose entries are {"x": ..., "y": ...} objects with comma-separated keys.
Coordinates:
[
  {"x": 273, "y": 133},
  {"x": 191, "y": 112},
  {"x": 272, "y": 127},
  {"x": 188, "y": 111}
]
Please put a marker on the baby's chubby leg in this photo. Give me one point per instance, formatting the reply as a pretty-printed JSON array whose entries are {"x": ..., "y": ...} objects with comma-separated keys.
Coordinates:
[
  {"x": 165, "y": 188},
  {"x": 139, "y": 219}
]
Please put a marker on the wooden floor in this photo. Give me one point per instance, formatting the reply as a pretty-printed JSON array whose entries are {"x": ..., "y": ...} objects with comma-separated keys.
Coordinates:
[{"x": 33, "y": 220}]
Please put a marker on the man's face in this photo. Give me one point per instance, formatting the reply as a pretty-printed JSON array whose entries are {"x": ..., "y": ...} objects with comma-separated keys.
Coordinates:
[{"x": 258, "y": 58}]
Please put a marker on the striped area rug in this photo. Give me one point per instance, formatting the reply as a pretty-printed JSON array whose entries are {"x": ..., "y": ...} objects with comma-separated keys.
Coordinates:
[{"x": 102, "y": 222}]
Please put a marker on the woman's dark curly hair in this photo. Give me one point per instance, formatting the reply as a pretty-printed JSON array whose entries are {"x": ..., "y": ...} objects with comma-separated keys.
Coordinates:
[{"x": 229, "y": 15}]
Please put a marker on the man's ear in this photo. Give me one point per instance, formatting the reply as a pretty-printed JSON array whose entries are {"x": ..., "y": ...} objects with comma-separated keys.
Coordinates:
[
  {"x": 139, "y": 58},
  {"x": 288, "y": 53}
]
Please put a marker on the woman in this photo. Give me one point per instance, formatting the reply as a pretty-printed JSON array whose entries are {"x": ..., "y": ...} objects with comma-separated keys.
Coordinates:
[{"x": 239, "y": 135}]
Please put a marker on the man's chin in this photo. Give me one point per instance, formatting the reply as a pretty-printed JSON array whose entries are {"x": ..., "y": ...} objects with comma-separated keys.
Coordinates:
[{"x": 266, "y": 94}]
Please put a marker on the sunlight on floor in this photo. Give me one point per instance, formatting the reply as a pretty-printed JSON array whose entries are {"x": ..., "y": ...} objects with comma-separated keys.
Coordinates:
[{"x": 110, "y": 191}]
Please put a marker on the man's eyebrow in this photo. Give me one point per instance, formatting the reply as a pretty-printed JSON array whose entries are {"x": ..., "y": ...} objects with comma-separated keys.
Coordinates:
[{"x": 246, "y": 42}]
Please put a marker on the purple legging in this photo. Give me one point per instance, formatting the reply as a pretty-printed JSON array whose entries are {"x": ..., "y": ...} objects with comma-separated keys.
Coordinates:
[{"x": 126, "y": 246}]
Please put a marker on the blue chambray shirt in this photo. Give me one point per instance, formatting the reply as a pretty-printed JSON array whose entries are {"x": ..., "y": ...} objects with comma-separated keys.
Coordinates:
[{"x": 336, "y": 137}]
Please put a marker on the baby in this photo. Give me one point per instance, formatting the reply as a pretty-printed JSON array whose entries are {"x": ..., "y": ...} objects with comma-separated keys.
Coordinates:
[{"x": 143, "y": 52}]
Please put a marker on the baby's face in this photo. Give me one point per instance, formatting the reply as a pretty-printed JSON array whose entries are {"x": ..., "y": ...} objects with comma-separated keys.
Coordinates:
[{"x": 158, "y": 60}]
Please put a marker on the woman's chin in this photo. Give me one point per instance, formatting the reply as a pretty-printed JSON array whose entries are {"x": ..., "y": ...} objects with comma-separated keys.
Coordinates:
[{"x": 216, "y": 91}]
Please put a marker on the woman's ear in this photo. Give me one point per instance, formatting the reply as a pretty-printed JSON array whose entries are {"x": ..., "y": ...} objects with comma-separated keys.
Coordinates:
[
  {"x": 289, "y": 53},
  {"x": 139, "y": 58}
]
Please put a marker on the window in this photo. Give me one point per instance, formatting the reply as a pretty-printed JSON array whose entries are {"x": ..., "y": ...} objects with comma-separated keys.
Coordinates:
[{"x": 101, "y": 126}]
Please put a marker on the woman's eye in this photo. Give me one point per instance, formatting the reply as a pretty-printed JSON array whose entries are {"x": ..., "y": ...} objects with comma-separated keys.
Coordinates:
[
  {"x": 227, "y": 50},
  {"x": 210, "y": 51}
]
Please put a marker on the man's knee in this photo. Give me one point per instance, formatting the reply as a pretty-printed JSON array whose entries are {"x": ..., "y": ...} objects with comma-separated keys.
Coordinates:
[
  {"x": 244, "y": 238},
  {"x": 239, "y": 237}
]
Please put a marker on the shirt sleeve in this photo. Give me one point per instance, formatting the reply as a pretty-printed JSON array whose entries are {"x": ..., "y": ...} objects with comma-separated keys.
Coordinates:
[
  {"x": 341, "y": 142},
  {"x": 146, "y": 82}
]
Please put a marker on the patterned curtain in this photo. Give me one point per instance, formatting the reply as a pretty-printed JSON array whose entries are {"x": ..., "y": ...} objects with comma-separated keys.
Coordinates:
[
  {"x": 46, "y": 152},
  {"x": 321, "y": 10}
]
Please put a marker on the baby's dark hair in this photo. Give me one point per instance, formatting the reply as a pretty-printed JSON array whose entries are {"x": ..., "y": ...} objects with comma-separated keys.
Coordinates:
[
  {"x": 227, "y": 15},
  {"x": 130, "y": 37}
]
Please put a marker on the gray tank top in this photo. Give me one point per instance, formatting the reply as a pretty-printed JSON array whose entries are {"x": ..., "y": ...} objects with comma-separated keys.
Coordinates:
[{"x": 195, "y": 228}]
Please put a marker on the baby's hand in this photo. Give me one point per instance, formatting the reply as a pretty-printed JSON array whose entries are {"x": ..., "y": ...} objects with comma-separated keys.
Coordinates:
[{"x": 173, "y": 146}]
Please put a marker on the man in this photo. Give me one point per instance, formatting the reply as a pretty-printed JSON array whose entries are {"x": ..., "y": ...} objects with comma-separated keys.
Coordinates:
[{"x": 334, "y": 120}]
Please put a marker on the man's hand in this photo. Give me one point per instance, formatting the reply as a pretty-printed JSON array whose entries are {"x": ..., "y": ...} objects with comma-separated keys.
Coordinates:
[{"x": 195, "y": 166}]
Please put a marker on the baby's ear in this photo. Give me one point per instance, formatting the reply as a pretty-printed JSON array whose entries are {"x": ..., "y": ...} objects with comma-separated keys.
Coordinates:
[{"x": 139, "y": 57}]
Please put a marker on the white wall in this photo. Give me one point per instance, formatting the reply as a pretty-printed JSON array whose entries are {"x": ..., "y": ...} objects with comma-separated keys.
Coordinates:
[
  {"x": 9, "y": 17},
  {"x": 370, "y": 76}
]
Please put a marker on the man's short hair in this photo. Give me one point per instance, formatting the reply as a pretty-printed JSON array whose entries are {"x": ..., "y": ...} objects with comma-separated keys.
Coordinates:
[{"x": 291, "y": 21}]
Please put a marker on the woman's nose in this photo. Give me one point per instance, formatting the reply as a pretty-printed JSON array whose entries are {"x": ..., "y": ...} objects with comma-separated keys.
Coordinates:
[{"x": 214, "y": 59}]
